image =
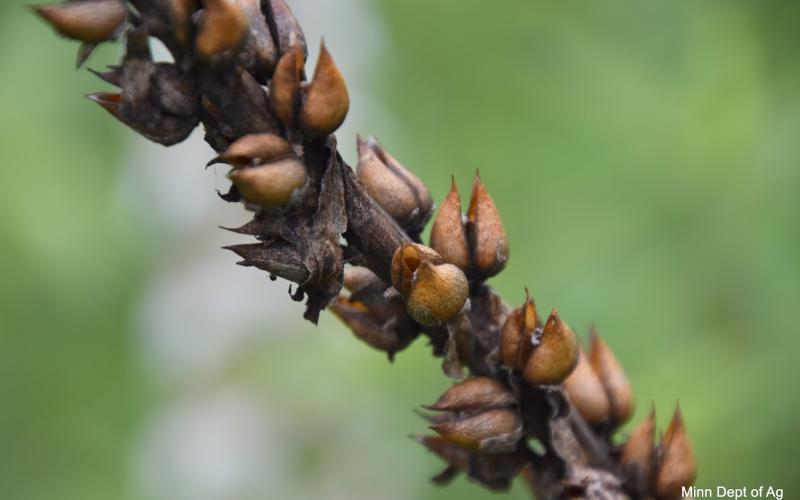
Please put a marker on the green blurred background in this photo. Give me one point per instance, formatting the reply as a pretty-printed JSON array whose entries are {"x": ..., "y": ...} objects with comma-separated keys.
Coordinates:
[{"x": 645, "y": 157}]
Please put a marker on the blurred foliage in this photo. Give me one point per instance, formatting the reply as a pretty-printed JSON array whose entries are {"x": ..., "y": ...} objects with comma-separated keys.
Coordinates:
[{"x": 645, "y": 158}]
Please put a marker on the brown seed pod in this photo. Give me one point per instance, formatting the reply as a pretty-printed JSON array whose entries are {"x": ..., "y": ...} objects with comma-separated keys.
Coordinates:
[
  {"x": 475, "y": 393},
  {"x": 326, "y": 100},
  {"x": 677, "y": 467},
  {"x": 638, "y": 456},
  {"x": 285, "y": 86},
  {"x": 438, "y": 293},
  {"x": 587, "y": 393},
  {"x": 180, "y": 14},
  {"x": 492, "y": 431},
  {"x": 272, "y": 184},
  {"x": 448, "y": 235},
  {"x": 222, "y": 31},
  {"x": 90, "y": 21},
  {"x": 452, "y": 454},
  {"x": 260, "y": 53},
  {"x": 255, "y": 149},
  {"x": 487, "y": 235},
  {"x": 365, "y": 327},
  {"x": 555, "y": 357},
  {"x": 613, "y": 378},
  {"x": 396, "y": 189},
  {"x": 516, "y": 335},
  {"x": 405, "y": 262}
]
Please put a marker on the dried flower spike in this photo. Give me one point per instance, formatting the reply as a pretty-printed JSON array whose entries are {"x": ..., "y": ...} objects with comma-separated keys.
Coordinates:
[
  {"x": 475, "y": 393},
  {"x": 396, "y": 189},
  {"x": 487, "y": 235},
  {"x": 516, "y": 336},
  {"x": 272, "y": 184},
  {"x": 555, "y": 357},
  {"x": 492, "y": 431},
  {"x": 587, "y": 393},
  {"x": 677, "y": 467},
  {"x": 285, "y": 86},
  {"x": 89, "y": 21},
  {"x": 613, "y": 378},
  {"x": 638, "y": 456},
  {"x": 222, "y": 31},
  {"x": 326, "y": 100},
  {"x": 255, "y": 149},
  {"x": 448, "y": 235}
]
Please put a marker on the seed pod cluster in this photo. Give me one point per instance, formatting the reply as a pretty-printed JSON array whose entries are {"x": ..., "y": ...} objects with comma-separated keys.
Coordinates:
[
  {"x": 435, "y": 291},
  {"x": 478, "y": 243},
  {"x": 481, "y": 416}
]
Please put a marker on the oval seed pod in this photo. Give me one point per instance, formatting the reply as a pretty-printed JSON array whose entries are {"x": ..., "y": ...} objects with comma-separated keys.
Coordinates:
[
  {"x": 396, "y": 189},
  {"x": 516, "y": 335},
  {"x": 613, "y": 378},
  {"x": 90, "y": 21},
  {"x": 272, "y": 184},
  {"x": 448, "y": 235},
  {"x": 492, "y": 431},
  {"x": 677, "y": 468},
  {"x": 638, "y": 456},
  {"x": 487, "y": 235},
  {"x": 255, "y": 148},
  {"x": 284, "y": 92},
  {"x": 555, "y": 357},
  {"x": 586, "y": 392},
  {"x": 222, "y": 31},
  {"x": 474, "y": 394},
  {"x": 326, "y": 101},
  {"x": 438, "y": 293},
  {"x": 405, "y": 262}
]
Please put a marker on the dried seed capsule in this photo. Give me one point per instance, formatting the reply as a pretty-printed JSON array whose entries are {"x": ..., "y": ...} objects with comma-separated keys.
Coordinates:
[
  {"x": 587, "y": 393},
  {"x": 255, "y": 149},
  {"x": 613, "y": 378},
  {"x": 516, "y": 335},
  {"x": 438, "y": 293},
  {"x": 448, "y": 235},
  {"x": 405, "y": 262},
  {"x": 287, "y": 28},
  {"x": 326, "y": 100},
  {"x": 90, "y": 21},
  {"x": 222, "y": 31},
  {"x": 638, "y": 456},
  {"x": 492, "y": 431},
  {"x": 487, "y": 235},
  {"x": 396, "y": 189},
  {"x": 272, "y": 184},
  {"x": 259, "y": 52},
  {"x": 555, "y": 357},
  {"x": 677, "y": 467},
  {"x": 285, "y": 86},
  {"x": 474, "y": 394}
]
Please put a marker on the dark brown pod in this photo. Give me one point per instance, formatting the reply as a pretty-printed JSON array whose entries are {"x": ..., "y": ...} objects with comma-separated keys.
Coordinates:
[
  {"x": 492, "y": 431},
  {"x": 448, "y": 235},
  {"x": 475, "y": 393},
  {"x": 612, "y": 376},
  {"x": 516, "y": 336},
  {"x": 396, "y": 189},
  {"x": 405, "y": 262},
  {"x": 285, "y": 86},
  {"x": 587, "y": 393},
  {"x": 286, "y": 27},
  {"x": 272, "y": 184},
  {"x": 255, "y": 149},
  {"x": 487, "y": 235},
  {"x": 326, "y": 100},
  {"x": 259, "y": 52},
  {"x": 638, "y": 456},
  {"x": 90, "y": 21},
  {"x": 677, "y": 468},
  {"x": 222, "y": 31},
  {"x": 555, "y": 357}
]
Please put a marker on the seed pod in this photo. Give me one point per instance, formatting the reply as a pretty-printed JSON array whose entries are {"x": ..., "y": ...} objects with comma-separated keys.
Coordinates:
[
  {"x": 516, "y": 342},
  {"x": 475, "y": 393},
  {"x": 438, "y": 293},
  {"x": 396, "y": 189},
  {"x": 259, "y": 53},
  {"x": 613, "y": 378},
  {"x": 677, "y": 467},
  {"x": 286, "y": 27},
  {"x": 180, "y": 15},
  {"x": 365, "y": 327},
  {"x": 285, "y": 86},
  {"x": 90, "y": 21},
  {"x": 555, "y": 357},
  {"x": 357, "y": 277},
  {"x": 586, "y": 392},
  {"x": 272, "y": 184},
  {"x": 222, "y": 31},
  {"x": 255, "y": 149},
  {"x": 638, "y": 456},
  {"x": 405, "y": 262},
  {"x": 448, "y": 235},
  {"x": 326, "y": 100},
  {"x": 492, "y": 431},
  {"x": 487, "y": 235}
]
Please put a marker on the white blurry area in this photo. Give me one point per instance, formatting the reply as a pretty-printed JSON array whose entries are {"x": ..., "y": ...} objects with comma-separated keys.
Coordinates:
[{"x": 211, "y": 436}]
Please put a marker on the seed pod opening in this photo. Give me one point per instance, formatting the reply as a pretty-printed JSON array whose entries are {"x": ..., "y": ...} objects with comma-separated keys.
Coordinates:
[
  {"x": 516, "y": 336},
  {"x": 405, "y": 262},
  {"x": 438, "y": 293},
  {"x": 587, "y": 393},
  {"x": 487, "y": 235},
  {"x": 285, "y": 86},
  {"x": 475, "y": 393},
  {"x": 677, "y": 467},
  {"x": 613, "y": 378},
  {"x": 448, "y": 235},
  {"x": 492, "y": 431},
  {"x": 272, "y": 184},
  {"x": 555, "y": 357},
  {"x": 222, "y": 31},
  {"x": 90, "y": 21},
  {"x": 326, "y": 101},
  {"x": 638, "y": 456}
]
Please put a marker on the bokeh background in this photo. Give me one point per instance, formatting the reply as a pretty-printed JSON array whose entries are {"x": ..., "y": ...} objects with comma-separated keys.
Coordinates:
[{"x": 645, "y": 157}]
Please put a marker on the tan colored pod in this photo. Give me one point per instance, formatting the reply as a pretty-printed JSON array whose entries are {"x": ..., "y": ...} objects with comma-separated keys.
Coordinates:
[
  {"x": 613, "y": 378},
  {"x": 587, "y": 393},
  {"x": 474, "y": 394},
  {"x": 516, "y": 335},
  {"x": 677, "y": 467},
  {"x": 405, "y": 262},
  {"x": 638, "y": 456},
  {"x": 487, "y": 235},
  {"x": 492, "y": 431},
  {"x": 222, "y": 31},
  {"x": 326, "y": 100},
  {"x": 284, "y": 92},
  {"x": 255, "y": 148},
  {"x": 448, "y": 235},
  {"x": 438, "y": 293},
  {"x": 90, "y": 21},
  {"x": 555, "y": 357},
  {"x": 270, "y": 185}
]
